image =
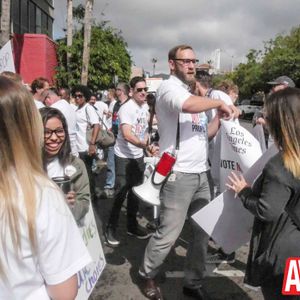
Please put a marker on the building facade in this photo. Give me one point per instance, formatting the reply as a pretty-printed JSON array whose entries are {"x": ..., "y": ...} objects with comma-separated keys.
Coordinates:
[{"x": 32, "y": 16}]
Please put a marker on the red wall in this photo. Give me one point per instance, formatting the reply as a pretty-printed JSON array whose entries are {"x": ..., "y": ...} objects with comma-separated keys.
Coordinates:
[{"x": 35, "y": 56}]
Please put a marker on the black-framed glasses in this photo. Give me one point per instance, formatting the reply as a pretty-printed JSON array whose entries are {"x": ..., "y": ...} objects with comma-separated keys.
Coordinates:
[
  {"x": 187, "y": 61},
  {"x": 59, "y": 132},
  {"x": 80, "y": 96},
  {"x": 145, "y": 89}
]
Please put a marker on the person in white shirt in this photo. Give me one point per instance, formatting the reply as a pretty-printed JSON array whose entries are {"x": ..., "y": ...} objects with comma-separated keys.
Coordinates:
[
  {"x": 64, "y": 93},
  {"x": 86, "y": 116},
  {"x": 52, "y": 99},
  {"x": 204, "y": 88},
  {"x": 122, "y": 95},
  {"x": 38, "y": 86},
  {"x": 187, "y": 188},
  {"x": 111, "y": 101},
  {"x": 131, "y": 141},
  {"x": 38, "y": 233},
  {"x": 101, "y": 107}
]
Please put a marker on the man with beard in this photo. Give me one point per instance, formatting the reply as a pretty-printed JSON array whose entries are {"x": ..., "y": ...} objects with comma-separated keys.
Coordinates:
[{"x": 187, "y": 188}]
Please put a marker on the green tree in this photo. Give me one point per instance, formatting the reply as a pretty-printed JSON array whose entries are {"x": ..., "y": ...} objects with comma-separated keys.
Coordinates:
[
  {"x": 281, "y": 56},
  {"x": 109, "y": 57},
  {"x": 248, "y": 76}
]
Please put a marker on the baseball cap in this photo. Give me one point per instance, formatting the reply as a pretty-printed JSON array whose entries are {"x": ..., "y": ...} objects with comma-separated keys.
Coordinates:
[{"x": 283, "y": 80}]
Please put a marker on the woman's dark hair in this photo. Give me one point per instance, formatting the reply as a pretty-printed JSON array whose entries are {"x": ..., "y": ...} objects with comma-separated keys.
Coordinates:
[
  {"x": 64, "y": 156},
  {"x": 86, "y": 92},
  {"x": 282, "y": 110}
]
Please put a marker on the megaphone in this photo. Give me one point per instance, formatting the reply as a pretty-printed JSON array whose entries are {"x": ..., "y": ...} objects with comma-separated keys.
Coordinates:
[{"x": 150, "y": 189}]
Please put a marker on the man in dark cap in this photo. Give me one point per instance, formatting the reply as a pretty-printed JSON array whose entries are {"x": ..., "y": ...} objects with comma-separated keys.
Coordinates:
[
  {"x": 277, "y": 84},
  {"x": 281, "y": 83}
]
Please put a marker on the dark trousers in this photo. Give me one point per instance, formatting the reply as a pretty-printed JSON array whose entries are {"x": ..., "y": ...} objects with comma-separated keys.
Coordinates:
[
  {"x": 129, "y": 173},
  {"x": 88, "y": 161}
]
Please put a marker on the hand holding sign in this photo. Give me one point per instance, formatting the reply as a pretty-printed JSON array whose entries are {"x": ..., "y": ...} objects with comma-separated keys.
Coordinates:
[{"x": 237, "y": 182}]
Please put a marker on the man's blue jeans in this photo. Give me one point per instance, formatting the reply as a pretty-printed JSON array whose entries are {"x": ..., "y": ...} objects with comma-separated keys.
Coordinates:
[
  {"x": 110, "y": 173},
  {"x": 182, "y": 195}
]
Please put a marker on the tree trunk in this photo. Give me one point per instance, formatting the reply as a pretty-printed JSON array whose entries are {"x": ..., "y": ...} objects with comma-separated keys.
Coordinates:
[
  {"x": 69, "y": 32},
  {"x": 86, "y": 41},
  {"x": 5, "y": 22}
]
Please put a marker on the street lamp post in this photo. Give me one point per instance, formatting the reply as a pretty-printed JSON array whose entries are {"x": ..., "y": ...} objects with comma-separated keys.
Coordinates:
[{"x": 154, "y": 61}]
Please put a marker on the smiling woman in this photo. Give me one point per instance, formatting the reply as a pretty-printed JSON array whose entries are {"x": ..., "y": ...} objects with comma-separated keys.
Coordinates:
[{"x": 59, "y": 162}]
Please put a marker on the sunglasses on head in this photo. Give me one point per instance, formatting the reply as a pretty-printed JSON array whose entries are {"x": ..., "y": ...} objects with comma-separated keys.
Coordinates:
[{"x": 145, "y": 89}]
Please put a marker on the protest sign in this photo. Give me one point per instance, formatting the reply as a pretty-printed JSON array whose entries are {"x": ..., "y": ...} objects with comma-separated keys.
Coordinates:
[
  {"x": 239, "y": 150},
  {"x": 225, "y": 219},
  {"x": 89, "y": 275},
  {"x": 6, "y": 58}
]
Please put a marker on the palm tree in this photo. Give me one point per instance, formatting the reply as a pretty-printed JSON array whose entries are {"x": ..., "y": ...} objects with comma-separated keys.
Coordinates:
[
  {"x": 5, "y": 22},
  {"x": 87, "y": 40},
  {"x": 69, "y": 27}
]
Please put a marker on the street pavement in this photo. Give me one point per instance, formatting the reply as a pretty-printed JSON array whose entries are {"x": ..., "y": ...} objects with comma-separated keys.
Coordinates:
[{"x": 119, "y": 280}]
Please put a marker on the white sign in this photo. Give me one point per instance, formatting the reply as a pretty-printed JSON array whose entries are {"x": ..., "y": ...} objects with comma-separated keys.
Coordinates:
[
  {"x": 239, "y": 150},
  {"x": 7, "y": 59},
  {"x": 225, "y": 219},
  {"x": 89, "y": 275}
]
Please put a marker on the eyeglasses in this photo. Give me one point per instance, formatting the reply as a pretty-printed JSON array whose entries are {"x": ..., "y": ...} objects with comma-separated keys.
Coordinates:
[
  {"x": 145, "y": 89},
  {"x": 187, "y": 61},
  {"x": 78, "y": 96},
  {"x": 59, "y": 132}
]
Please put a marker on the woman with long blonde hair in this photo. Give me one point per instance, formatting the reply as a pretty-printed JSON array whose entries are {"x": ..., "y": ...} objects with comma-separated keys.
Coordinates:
[
  {"x": 274, "y": 198},
  {"x": 38, "y": 234}
]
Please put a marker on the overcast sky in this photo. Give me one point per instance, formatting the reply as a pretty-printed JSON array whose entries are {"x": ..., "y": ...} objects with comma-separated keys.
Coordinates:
[{"x": 151, "y": 28}]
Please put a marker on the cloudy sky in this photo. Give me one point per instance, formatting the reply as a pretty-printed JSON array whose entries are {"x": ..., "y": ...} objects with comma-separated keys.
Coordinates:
[{"x": 152, "y": 27}]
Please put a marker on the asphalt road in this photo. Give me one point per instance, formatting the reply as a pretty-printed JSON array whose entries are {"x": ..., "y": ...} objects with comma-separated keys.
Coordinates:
[{"x": 119, "y": 280}]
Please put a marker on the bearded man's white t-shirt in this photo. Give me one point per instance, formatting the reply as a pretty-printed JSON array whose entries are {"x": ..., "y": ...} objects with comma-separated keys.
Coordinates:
[{"x": 193, "y": 148}]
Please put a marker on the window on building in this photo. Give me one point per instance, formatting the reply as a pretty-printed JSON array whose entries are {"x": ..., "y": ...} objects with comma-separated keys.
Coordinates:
[
  {"x": 16, "y": 15},
  {"x": 32, "y": 17},
  {"x": 38, "y": 20},
  {"x": 50, "y": 26},
  {"x": 24, "y": 17},
  {"x": 44, "y": 23}
]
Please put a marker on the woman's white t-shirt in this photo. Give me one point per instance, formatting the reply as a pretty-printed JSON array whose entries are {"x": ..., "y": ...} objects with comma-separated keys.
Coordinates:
[{"x": 61, "y": 252}]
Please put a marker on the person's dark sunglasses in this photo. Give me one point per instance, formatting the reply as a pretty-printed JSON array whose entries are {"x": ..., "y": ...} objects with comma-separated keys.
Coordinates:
[
  {"x": 78, "y": 96},
  {"x": 145, "y": 89}
]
